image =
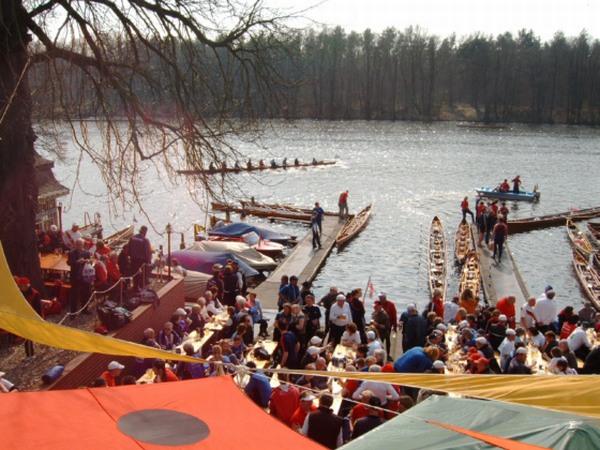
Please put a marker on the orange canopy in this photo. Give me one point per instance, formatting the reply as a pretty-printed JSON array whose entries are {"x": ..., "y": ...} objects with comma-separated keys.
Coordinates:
[{"x": 209, "y": 413}]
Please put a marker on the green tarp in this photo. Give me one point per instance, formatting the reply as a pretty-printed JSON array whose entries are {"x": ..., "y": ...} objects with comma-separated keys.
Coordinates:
[{"x": 412, "y": 430}]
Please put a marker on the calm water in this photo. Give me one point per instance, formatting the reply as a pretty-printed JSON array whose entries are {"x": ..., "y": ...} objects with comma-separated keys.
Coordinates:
[{"x": 411, "y": 172}]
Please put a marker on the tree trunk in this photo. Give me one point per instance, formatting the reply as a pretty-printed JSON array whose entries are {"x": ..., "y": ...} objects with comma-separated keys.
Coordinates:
[{"x": 18, "y": 186}]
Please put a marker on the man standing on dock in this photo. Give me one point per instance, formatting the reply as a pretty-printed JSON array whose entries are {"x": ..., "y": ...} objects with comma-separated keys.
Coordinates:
[
  {"x": 343, "y": 204},
  {"x": 320, "y": 213},
  {"x": 316, "y": 230}
]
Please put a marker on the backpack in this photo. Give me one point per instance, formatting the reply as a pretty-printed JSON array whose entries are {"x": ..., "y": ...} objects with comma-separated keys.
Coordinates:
[{"x": 88, "y": 273}]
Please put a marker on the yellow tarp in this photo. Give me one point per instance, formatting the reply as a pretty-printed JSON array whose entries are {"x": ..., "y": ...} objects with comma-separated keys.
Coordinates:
[
  {"x": 570, "y": 394},
  {"x": 18, "y": 317}
]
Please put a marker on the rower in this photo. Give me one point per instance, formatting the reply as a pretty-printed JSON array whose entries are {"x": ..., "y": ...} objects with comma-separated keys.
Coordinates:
[
  {"x": 273, "y": 163},
  {"x": 504, "y": 186},
  {"x": 223, "y": 165},
  {"x": 249, "y": 163},
  {"x": 516, "y": 183},
  {"x": 284, "y": 164},
  {"x": 211, "y": 167},
  {"x": 296, "y": 162},
  {"x": 261, "y": 163},
  {"x": 237, "y": 165},
  {"x": 314, "y": 162}
]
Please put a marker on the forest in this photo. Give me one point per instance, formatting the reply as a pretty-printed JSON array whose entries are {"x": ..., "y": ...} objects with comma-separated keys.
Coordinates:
[{"x": 395, "y": 75}]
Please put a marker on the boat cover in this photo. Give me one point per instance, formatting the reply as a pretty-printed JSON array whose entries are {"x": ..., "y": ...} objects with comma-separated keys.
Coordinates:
[
  {"x": 238, "y": 229},
  {"x": 204, "y": 261},
  {"x": 445, "y": 422},
  {"x": 242, "y": 250},
  {"x": 195, "y": 284}
]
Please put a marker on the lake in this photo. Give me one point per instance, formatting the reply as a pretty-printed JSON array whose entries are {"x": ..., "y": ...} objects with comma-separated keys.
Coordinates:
[{"x": 410, "y": 171}]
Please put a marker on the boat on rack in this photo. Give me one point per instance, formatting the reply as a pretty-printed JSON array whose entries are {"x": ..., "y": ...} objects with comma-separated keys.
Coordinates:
[
  {"x": 268, "y": 210},
  {"x": 118, "y": 240},
  {"x": 463, "y": 241},
  {"x": 253, "y": 168},
  {"x": 579, "y": 240},
  {"x": 594, "y": 228},
  {"x": 438, "y": 258},
  {"x": 470, "y": 274},
  {"x": 533, "y": 196},
  {"x": 353, "y": 226},
  {"x": 241, "y": 250},
  {"x": 588, "y": 279},
  {"x": 551, "y": 220}
]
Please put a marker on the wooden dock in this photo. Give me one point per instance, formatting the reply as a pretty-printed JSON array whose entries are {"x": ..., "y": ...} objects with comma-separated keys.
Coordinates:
[
  {"x": 501, "y": 280},
  {"x": 303, "y": 261}
]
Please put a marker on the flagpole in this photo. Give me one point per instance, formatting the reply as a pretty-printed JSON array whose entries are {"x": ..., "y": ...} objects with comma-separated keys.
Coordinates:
[{"x": 366, "y": 289}]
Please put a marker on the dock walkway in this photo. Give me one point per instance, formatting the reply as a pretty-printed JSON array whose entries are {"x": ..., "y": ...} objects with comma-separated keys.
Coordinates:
[
  {"x": 501, "y": 280},
  {"x": 303, "y": 261}
]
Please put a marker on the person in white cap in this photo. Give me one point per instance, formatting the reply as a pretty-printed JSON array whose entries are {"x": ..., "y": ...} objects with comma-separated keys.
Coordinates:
[
  {"x": 114, "y": 370},
  {"x": 306, "y": 406},
  {"x": 437, "y": 367},
  {"x": 497, "y": 332},
  {"x": 506, "y": 348},
  {"x": 487, "y": 351},
  {"x": 373, "y": 343},
  {"x": 339, "y": 316},
  {"x": 517, "y": 365},
  {"x": 71, "y": 236}
]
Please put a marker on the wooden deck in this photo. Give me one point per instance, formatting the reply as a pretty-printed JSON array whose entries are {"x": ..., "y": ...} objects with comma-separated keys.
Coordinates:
[
  {"x": 304, "y": 262},
  {"x": 501, "y": 280}
]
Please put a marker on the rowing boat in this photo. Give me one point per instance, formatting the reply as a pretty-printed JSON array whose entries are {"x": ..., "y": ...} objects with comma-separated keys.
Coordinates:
[
  {"x": 552, "y": 220},
  {"x": 268, "y": 210},
  {"x": 594, "y": 228},
  {"x": 438, "y": 275},
  {"x": 463, "y": 241},
  {"x": 118, "y": 240},
  {"x": 353, "y": 226},
  {"x": 252, "y": 168},
  {"x": 579, "y": 240},
  {"x": 588, "y": 278},
  {"x": 533, "y": 196},
  {"x": 470, "y": 275}
]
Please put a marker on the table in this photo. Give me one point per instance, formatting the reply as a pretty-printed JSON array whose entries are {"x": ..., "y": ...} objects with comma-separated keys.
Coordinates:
[
  {"x": 55, "y": 262},
  {"x": 197, "y": 340},
  {"x": 269, "y": 346}
]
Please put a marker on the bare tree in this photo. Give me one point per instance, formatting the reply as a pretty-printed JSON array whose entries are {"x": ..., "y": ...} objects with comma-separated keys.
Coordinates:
[{"x": 167, "y": 81}]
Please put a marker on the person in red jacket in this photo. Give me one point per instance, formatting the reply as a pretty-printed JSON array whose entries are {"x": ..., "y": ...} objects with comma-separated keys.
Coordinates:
[
  {"x": 285, "y": 399},
  {"x": 506, "y": 306},
  {"x": 464, "y": 206}
]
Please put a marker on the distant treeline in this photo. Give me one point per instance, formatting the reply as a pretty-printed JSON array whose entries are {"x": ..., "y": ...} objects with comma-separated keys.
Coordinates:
[{"x": 402, "y": 75}]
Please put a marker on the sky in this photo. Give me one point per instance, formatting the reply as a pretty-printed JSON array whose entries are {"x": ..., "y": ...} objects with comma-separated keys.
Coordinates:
[{"x": 463, "y": 17}]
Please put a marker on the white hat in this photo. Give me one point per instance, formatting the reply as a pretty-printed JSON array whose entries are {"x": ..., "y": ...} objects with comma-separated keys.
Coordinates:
[
  {"x": 442, "y": 327},
  {"x": 463, "y": 324},
  {"x": 438, "y": 364},
  {"x": 307, "y": 398},
  {"x": 411, "y": 307},
  {"x": 382, "y": 294},
  {"x": 521, "y": 351},
  {"x": 502, "y": 318},
  {"x": 316, "y": 340},
  {"x": 371, "y": 334},
  {"x": 312, "y": 350},
  {"x": 481, "y": 340},
  {"x": 113, "y": 365},
  {"x": 53, "y": 228},
  {"x": 340, "y": 297},
  {"x": 181, "y": 312},
  {"x": 510, "y": 331}
]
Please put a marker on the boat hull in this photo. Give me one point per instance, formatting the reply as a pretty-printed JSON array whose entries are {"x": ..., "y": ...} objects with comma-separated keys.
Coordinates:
[
  {"x": 552, "y": 220},
  {"x": 579, "y": 240},
  {"x": 438, "y": 274},
  {"x": 353, "y": 226},
  {"x": 470, "y": 275},
  {"x": 588, "y": 279},
  {"x": 252, "y": 168},
  {"x": 510, "y": 195},
  {"x": 463, "y": 241}
]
